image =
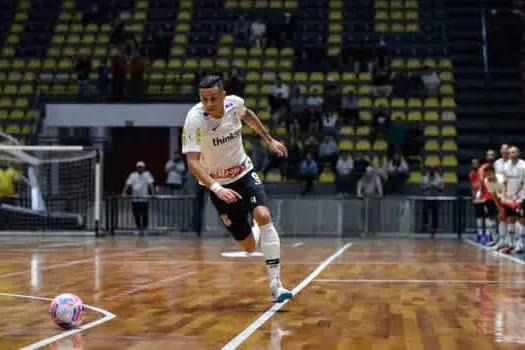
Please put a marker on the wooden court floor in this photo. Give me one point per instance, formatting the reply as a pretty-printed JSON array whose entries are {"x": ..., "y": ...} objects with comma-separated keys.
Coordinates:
[{"x": 173, "y": 293}]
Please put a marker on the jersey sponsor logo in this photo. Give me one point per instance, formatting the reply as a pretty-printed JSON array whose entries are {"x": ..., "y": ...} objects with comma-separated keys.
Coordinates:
[
  {"x": 217, "y": 141},
  {"x": 229, "y": 172}
]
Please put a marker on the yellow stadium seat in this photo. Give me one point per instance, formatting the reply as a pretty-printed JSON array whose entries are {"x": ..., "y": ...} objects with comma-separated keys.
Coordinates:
[
  {"x": 240, "y": 51},
  {"x": 266, "y": 89},
  {"x": 335, "y": 28},
  {"x": 397, "y": 64},
  {"x": 281, "y": 131},
  {"x": 431, "y": 102},
  {"x": 156, "y": 77},
  {"x": 264, "y": 115},
  {"x": 431, "y": 131},
  {"x": 18, "y": 64},
  {"x": 239, "y": 63},
  {"x": 397, "y": 28},
  {"x": 446, "y": 90},
  {"x": 222, "y": 63},
  {"x": 431, "y": 146},
  {"x": 284, "y": 64},
  {"x": 399, "y": 115},
  {"x": 206, "y": 63},
  {"x": 415, "y": 178},
  {"x": 364, "y": 102},
  {"x": 17, "y": 114},
  {"x": 271, "y": 52},
  {"x": 365, "y": 116},
  {"x": 103, "y": 39},
  {"x": 33, "y": 114},
  {"x": 362, "y": 146},
  {"x": 411, "y": 15},
  {"x": 448, "y": 102},
  {"x": 263, "y": 102},
  {"x": 381, "y": 4},
  {"x": 364, "y": 76},
  {"x": 432, "y": 161},
  {"x": 174, "y": 64},
  {"x": 253, "y": 76},
  {"x": 14, "y": 76},
  {"x": 346, "y": 145},
  {"x": 381, "y": 16},
  {"x": 414, "y": 102},
  {"x": 26, "y": 89},
  {"x": 449, "y": 131},
  {"x": 347, "y": 131},
  {"x": 414, "y": 63},
  {"x": 8, "y": 51},
  {"x": 10, "y": 90},
  {"x": 429, "y": 62},
  {"x": 273, "y": 177},
  {"x": 446, "y": 77},
  {"x": 269, "y": 64},
  {"x": 327, "y": 177},
  {"x": 316, "y": 77},
  {"x": 3, "y": 114},
  {"x": 300, "y": 77},
  {"x": 250, "y": 102},
  {"x": 335, "y": 16},
  {"x": 287, "y": 52},
  {"x": 251, "y": 89},
  {"x": 445, "y": 63},
  {"x": 6, "y": 102},
  {"x": 396, "y": 16},
  {"x": 449, "y": 146},
  {"x": 159, "y": 64},
  {"x": 34, "y": 64},
  {"x": 380, "y": 146},
  {"x": 53, "y": 52},
  {"x": 347, "y": 76},
  {"x": 21, "y": 102},
  {"x": 13, "y": 129},
  {"x": 398, "y": 103},
  {"x": 448, "y": 116},
  {"x": 246, "y": 130},
  {"x": 431, "y": 116},
  {"x": 256, "y": 52},
  {"x": 381, "y": 27},
  {"x": 381, "y": 102},
  {"x": 450, "y": 178},
  {"x": 347, "y": 89},
  {"x": 365, "y": 90},
  {"x": 333, "y": 76},
  {"x": 450, "y": 161},
  {"x": 414, "y": 116},
  {"x": 316, "y": 89},
  {"x": 412, "y": 27},
  {"x": 268, "y": 76},
  {"x": 223, "y": 51}
]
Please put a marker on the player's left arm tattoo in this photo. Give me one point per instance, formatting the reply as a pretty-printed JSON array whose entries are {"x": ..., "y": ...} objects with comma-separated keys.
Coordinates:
[{"x": 255, "y": 124}]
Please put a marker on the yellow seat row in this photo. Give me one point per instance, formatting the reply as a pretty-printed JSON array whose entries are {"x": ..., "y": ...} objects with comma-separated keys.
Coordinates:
[
  {"x": 362, "y": 146},
  {"x": 18, "y": 114},
  {"x": 448, "y": 161},
  {"x": 8, "y": 102},
  {"x": 255, "y": 52},
  {"x": 428, "y": 116},
  {"x": 397, "y": 15},
  {"x": 413, "y": 102},
  {"x": 415, "y": 63},
  {"x": 436, "y": 146},
  {"x": 396, "y": 4},
  {"x": 260, "y": 4},
  {"x": 434, "y": 131},
  {"x": 397, "y": 27},
  {"x": 448, "y": 177}
]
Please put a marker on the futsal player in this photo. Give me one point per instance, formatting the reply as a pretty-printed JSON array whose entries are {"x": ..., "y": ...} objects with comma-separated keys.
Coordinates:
[
  {"x": 212, "y": 142},
  {"x": 503, "y": 160},
  {"x": 514, "y": 177},
  {"x": 477, "y": 201},
  {"x": 488, "y": 194}
]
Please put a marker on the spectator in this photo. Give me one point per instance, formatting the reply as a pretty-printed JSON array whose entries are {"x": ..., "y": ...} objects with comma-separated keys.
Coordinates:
[
  {"x": 311, "y": 145},
  {"x": 138, "y": 67},
  {"x": 279, "y": 95},
  {"x": 344, "y": 168},
  {"x": 141, "y": 184},
  {"x": 162, "y": 43},
  {"x": 328, "y": 152},
  {"x": 330, "y": 124},
  {"x": 401, "y": 84},
  {"x": 288, "y": 27},
  {"x": 118, "y": 67},
  {"x": 297, "y": 102},
  {"x": 83, "y": 68},
  {"x": 380, "y": 123},
  {"x": 381, "y": 75},
  {"x": 315, "y": 102},
  {"x": 9, "y": 179},
  {"x": 413, "y": 145},
  {"x": 235, "y": 84},
  {"x": 122, "y": 37},
  {"x": 258, "y": 33},
  {"x": 370, "y": 184},
  {"x": 309, "y": 173},
  {"x": 382, "y": 58},
  {"x": 175, "y": 169},
  {"x": 103, "y": 78},
  {"x": 241, "y": 28},
  {"x": 332, "y": 96},
  {"x": 349, "y": 107},
  {"x": 275, "y": 162},
  {"x": 398, "y": 172},
  {"x": 432, "y": 184},
  {"x": 430, "y": 81},
  {"x": 293, "y": 161},
  {"x": 360, "y": 165}
]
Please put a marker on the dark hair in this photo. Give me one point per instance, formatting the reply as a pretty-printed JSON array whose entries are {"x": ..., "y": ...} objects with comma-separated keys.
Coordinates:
[
  {"x": 489, "y": 168},
  {"x": 211, "y": 81}
]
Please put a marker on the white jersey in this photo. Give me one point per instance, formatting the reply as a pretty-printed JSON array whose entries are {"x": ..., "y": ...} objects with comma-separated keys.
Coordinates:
[
  {"x": 500, "y": 164},
  {"x": 219, "y": 141},
  {"x": 514, "y": 175}
]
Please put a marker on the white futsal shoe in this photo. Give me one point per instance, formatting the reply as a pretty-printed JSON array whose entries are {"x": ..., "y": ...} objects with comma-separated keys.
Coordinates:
[{"x": 279, "y": 293}]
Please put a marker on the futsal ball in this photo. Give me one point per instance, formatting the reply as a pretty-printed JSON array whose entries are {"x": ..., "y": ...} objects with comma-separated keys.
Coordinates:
[{"x": 66, "y": 310}]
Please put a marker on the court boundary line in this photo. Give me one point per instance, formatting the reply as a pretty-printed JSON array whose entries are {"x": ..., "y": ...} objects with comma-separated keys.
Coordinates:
[
  {"x": 400, "y": 281},
  {"x": 248, "y": 331},
  {"x": 494, "y": 252},
  {"x": 107, "y": 317}
]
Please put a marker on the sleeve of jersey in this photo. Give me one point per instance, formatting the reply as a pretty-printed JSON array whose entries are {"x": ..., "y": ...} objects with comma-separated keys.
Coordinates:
[
  {"x": 191, "y": 135},
  {"x": 239, "y": 103}
]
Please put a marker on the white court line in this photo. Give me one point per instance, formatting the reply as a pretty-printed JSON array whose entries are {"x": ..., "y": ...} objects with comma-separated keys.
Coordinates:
[
  {"x": 151, "y": 285},
  {"x": 82, "y": 261},
  {"x": 297, "y": 244},
  {"x": 107, "y": 317},
  {"x": 494, "y": 252},
  {"x": 248, "y": 331},
  {"x": 420, "y": 281}
]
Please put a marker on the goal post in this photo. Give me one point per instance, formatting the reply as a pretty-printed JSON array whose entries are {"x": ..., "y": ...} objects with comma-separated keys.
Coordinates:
[{"x": 50, "y": 189}]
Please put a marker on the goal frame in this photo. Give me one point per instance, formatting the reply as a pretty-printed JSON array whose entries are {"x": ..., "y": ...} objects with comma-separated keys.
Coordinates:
[{"x": 98, "y": 171}]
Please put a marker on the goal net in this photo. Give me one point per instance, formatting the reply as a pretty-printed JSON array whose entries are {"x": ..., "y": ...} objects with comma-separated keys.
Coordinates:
[{"x": 49, "y": 188}]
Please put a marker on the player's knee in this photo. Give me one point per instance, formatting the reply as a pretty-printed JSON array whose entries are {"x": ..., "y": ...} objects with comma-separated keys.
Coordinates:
[{"x": 262, "y": 216}]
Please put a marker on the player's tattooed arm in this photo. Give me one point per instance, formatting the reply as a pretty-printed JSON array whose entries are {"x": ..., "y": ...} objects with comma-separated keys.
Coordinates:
[{"x": 255, "y": 124}]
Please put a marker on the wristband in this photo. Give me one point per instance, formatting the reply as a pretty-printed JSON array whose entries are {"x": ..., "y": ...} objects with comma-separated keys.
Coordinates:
[{"x": 216, "y": 187}]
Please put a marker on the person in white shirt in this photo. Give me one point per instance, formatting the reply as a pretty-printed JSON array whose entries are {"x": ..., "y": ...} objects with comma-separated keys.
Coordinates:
[
  {"x": 430, "y": 81},
  {"x": 432, "y": 184},
  {"x": 514, "y": 177},
  {"x": 175, "y": 169},
  {"x": 330, "y": 124},
  {"x": 344, "y": 168},
  {"x": 279, "y": 95},
  {"x": 370, "y": 184},
  {"x": 141, "y": 184},
  {"x": 258, "y": 33},
  {"x": 212, "y": 142},
  {"x": 501, "y": 162}
]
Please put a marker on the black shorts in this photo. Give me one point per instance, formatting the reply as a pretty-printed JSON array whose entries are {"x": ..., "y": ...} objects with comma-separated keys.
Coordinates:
[
  {"x": 491, "y": 209},
  {"x": 251, "y": 189},
  {"x": 479, "y": 209}
]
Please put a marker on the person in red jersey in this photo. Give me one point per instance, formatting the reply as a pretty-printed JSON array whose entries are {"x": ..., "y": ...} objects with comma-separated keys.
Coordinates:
[
  {"x": 486, "y": 194},
  {"x": 477, "y": 202}
]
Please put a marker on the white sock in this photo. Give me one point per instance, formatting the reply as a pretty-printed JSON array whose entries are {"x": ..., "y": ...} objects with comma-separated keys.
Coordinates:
[
  {"x": 256, "y": 231},
  {"x": 491, "y": 225},
  {"x": 271, "y": 248},
  {"x": 502, "y": 230},
  {"x": 479, "y": 224}
]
